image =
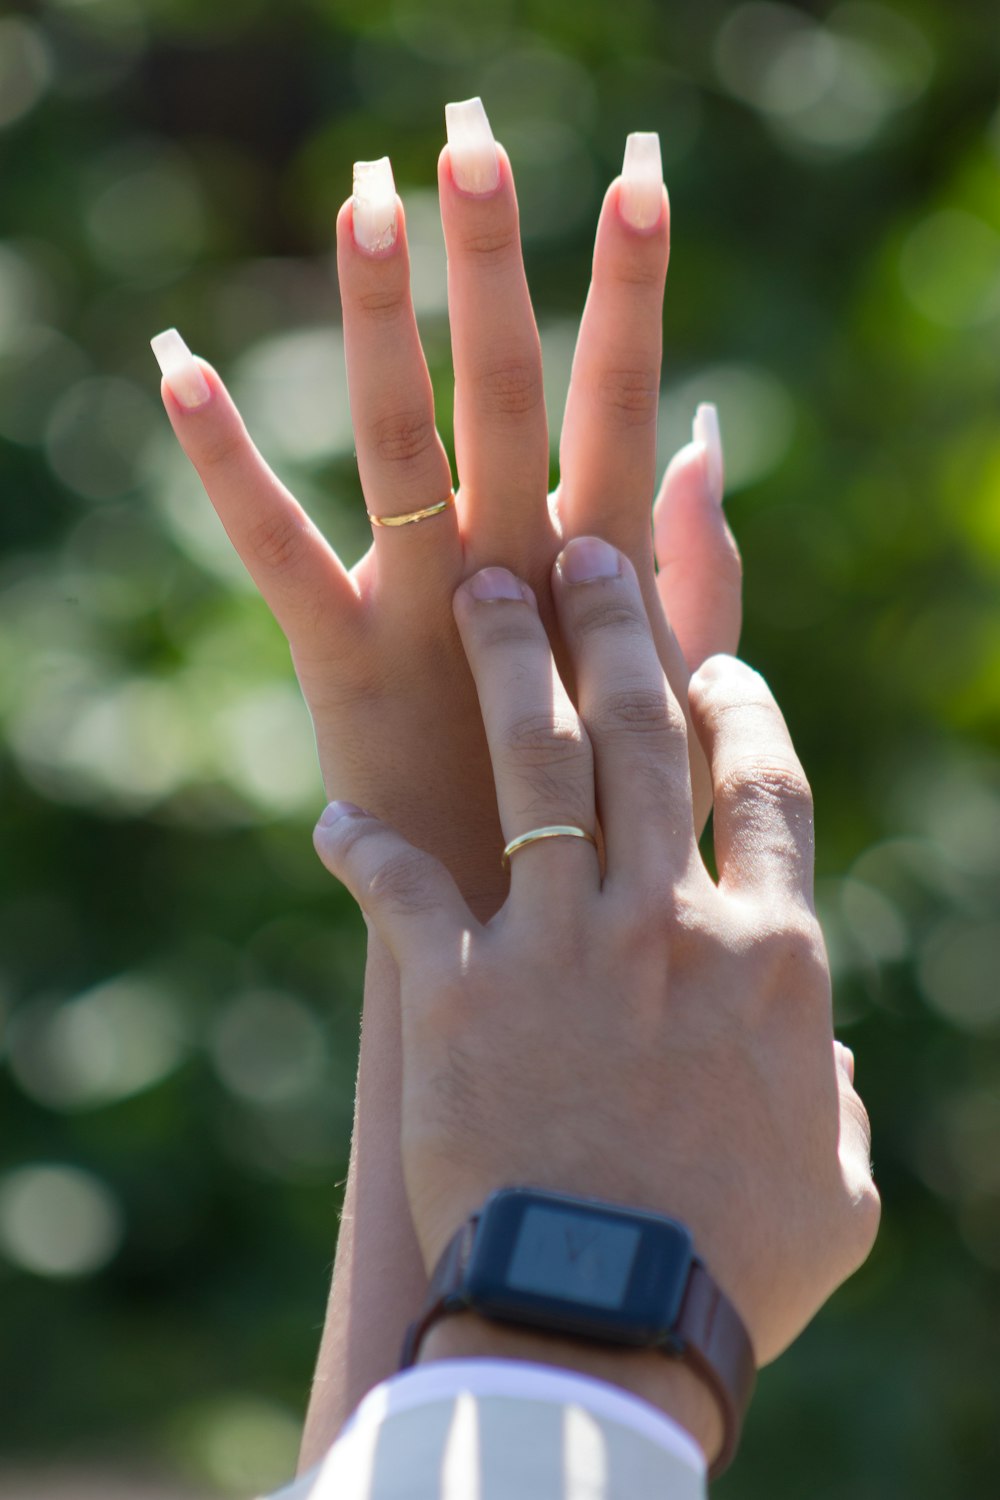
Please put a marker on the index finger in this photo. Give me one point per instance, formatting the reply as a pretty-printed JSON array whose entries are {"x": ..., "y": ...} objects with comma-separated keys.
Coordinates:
[
  {"x": 302, "y": 580},
  {"x": 763, "y": 808}
]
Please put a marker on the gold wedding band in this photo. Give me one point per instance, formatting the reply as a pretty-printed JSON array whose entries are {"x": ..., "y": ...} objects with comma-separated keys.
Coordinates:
[
  {"x": 550, "y": 831},
  {"x": 410, "y": 516}
]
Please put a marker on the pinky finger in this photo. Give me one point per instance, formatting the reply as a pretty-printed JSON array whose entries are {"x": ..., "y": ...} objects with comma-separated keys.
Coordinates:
[
  {"x": 700, "y": 579},
  {"x": 406, "y": 894},
  {"x": 299, "y": 575}
]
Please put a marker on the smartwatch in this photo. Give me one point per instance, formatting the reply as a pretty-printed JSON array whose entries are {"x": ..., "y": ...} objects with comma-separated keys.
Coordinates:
[{"x": 597, "y": 1271}]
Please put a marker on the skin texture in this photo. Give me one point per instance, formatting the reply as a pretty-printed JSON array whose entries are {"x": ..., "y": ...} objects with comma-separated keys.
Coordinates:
[
  {"x": 635, "y": 1032},
  {"x": 377, "y": 650}
]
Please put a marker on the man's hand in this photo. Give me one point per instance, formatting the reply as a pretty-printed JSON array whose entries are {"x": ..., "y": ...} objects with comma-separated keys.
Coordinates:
[
  {"x": 635, "y": 1032},
  {"x": 376, "y": 650}
]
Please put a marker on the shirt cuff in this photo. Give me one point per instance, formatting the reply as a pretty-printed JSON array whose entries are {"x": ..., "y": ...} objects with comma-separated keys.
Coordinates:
[{"x": 507, "y": 1377}]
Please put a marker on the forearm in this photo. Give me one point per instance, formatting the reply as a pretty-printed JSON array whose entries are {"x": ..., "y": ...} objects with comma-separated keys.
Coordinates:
[{"x": 378, "y": 1280}]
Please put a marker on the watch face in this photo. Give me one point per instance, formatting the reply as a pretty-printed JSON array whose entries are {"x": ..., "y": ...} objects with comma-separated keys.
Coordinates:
[
  {"x": 571, "y": 1255},
  {"x": 555, "y": 1261}
]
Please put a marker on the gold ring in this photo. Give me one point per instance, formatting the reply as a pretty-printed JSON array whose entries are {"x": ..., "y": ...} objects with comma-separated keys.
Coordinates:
[
  {"x": 408, "y": 518},
  {"x": 550, "y": 831}
]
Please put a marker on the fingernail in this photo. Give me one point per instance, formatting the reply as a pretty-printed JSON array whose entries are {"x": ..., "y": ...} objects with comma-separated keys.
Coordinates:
[
  {"x": 705, "y": 430},
  {"x": 586, "y": 559},
  {"x": 374, "y": 207},
  {"x": 334, "y": 811},
  {"x": 474, "y": 162},
  {"x": 496, "y": 583},
  {"x": 641, "y": 198},
  {"x": 180, "y": 369}
]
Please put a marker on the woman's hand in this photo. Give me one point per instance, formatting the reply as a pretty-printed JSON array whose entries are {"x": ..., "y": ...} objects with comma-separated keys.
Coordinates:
[
  {"x": 376, "y": 650},
  {"x": 637, "y": 1033}
]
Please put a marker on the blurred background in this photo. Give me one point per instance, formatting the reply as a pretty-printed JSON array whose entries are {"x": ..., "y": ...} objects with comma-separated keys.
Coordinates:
[{"x": 179, "y": 980}]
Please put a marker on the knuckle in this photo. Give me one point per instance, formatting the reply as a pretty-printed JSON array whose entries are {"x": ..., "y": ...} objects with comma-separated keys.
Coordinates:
[
  {"x": 642, "y": 274},
  {"x": 403, "y": 437},
  {"x": 608, "y": 612},
  {"x": 789, "y": 945},
  {"x": 511, "y": 389},
  {"x": 631, "y": 396},
  {"x": 772, "y": 782},
  {"x": 502, "y": 629},
  {"x": 543, "y": 738},
  {"x": 277, "y": 541},
  {"x": 635, "y": 711},
  {"x": 224, "y": 446},
  {"x": 643, "y": 266},
  {"x": 400, "y": 884},
  {"x": 807, "y": 948},
  {"x": 550, "y": 758},
  {"x": 382, "y": 304},
  {"x": 660, "y": 918},
  {"x": 493, "y": 243}
]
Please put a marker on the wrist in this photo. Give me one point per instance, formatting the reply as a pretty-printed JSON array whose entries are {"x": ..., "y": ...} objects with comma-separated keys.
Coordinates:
[{"x": 663, "y": 1381}]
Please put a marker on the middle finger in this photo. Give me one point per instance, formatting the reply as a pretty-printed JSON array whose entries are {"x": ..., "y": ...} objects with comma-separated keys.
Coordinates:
[{"x": 501, "y": 437}]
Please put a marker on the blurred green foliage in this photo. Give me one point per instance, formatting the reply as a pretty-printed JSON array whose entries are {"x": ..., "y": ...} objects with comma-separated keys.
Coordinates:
[{"x": 180, "y": 981}]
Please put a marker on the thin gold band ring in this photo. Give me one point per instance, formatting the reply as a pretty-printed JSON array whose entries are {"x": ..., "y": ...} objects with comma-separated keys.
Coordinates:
[
  {"x": 550, "y": 831},
  {"x": 410, "y": 516}
]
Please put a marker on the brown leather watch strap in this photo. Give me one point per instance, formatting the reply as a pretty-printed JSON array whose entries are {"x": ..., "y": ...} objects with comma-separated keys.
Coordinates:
[
  {"x": 441, "y": 1298},
  {"x": 717, "y": 1346}
]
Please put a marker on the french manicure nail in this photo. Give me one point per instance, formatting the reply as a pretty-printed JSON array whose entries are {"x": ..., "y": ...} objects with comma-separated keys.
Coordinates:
[
  {"x": 705, "y": 429},
  {"x": 496, "y": 583},
  {"x": 334, "y": 811},
  {"x": 641, "y": 199},
  {"x": 180, "y": 369},
  {"x": 474, "y": 162},
  {"x": 374, "y": 207},
  {"x": 587, "y": 558}
]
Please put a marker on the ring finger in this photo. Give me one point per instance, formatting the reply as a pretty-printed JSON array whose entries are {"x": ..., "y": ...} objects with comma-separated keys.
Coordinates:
[
  {"x": 635, "y": 723},
  {"x": 542, "y": 761},
  {"x": 608, "y": 444}
]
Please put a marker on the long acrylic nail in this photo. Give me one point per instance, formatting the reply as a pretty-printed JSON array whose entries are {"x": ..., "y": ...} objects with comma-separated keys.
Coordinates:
[
  {"x": 641, "y": 199},
  {"x": 180, "y": 369},
  {"x": 474, "y": 162},
  {"x": 374, "y": 206},
  {"x": 705, "y": 430}
]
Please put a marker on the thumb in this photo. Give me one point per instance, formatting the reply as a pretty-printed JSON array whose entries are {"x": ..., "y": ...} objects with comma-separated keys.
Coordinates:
[
  {"x": 407, "y": 895},
  {"x": 699, "y": 577}
]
